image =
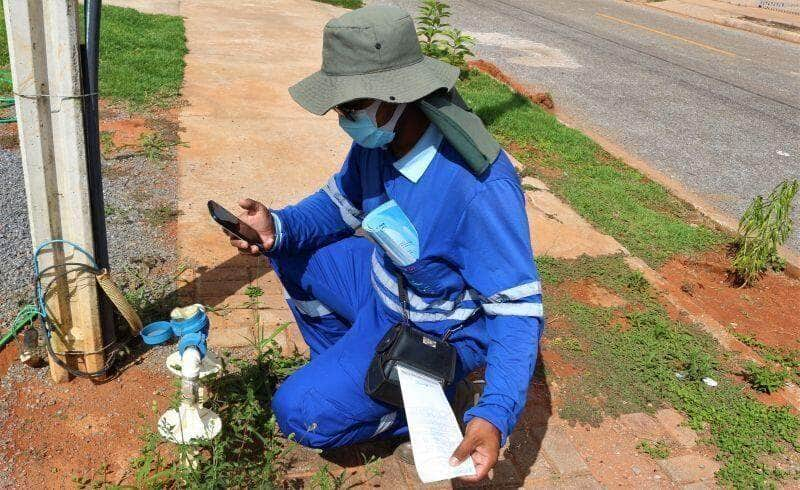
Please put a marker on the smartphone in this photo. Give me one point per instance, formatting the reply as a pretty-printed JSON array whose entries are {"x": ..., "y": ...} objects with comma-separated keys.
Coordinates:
[{"x": 234, "y": 225}]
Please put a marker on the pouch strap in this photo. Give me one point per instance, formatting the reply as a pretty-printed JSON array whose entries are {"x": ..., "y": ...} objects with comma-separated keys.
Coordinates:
[{"x": 403, "y": 294}]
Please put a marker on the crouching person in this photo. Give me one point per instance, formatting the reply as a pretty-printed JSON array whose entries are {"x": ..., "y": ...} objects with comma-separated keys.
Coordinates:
[{"x": 466, "y": 273}]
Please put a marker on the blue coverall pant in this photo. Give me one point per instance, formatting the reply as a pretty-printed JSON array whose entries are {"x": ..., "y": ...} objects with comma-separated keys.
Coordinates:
[{"x": 324, "y": 403}]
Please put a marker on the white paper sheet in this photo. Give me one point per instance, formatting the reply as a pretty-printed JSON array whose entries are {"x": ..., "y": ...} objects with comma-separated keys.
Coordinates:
[{"x": 432, "y": 426}]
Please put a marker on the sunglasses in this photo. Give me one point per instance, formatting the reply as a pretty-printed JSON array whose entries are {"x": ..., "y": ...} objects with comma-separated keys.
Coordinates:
[{"x": 348, "y": 109}]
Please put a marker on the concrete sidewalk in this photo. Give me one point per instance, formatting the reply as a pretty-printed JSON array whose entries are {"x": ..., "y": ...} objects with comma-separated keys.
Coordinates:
[
  {"x": 247, "y": 138},
  {"x": 773, "y": 23}
]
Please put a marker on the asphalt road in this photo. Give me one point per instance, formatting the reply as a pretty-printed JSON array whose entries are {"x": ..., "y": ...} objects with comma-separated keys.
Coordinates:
[{"x": 715, "y": 108}]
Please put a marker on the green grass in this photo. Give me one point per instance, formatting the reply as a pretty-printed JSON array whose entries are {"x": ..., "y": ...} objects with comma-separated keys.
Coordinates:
[
  {"x": 641, "y": 214},
  {"x": 141, "y": 56},
  {"x": 628, "y": 358},
  {"x": 3, "y": 38},
  {"x": 348, "y": 4}
]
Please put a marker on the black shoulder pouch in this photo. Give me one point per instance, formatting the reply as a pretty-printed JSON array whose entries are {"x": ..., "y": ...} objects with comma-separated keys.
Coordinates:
[{"x": 407, "y": 345}]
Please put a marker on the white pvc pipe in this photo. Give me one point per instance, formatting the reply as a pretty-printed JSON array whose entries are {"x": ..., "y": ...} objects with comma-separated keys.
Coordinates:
[{"x": 190, "y": 363}]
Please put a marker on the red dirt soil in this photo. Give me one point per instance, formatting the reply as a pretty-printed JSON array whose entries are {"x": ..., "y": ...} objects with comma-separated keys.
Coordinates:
[
  {"x": 126, "y": 132},
  {"x": 73, "y": 429},
  {"x": 586, "y": 291},
  {"x": 764, "y": 311},
  {"x": 8, "y": 355}
]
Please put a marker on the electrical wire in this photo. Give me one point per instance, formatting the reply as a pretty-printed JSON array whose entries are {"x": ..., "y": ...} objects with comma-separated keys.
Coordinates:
[{"x": 114, "y": 348}]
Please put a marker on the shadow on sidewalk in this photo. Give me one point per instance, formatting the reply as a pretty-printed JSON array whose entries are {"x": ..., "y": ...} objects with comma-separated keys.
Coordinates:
[{"x": 525, "y": 443}]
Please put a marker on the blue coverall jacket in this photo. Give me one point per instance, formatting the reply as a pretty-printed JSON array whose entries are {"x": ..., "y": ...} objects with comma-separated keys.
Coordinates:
[{"x": 475, "y": 253}]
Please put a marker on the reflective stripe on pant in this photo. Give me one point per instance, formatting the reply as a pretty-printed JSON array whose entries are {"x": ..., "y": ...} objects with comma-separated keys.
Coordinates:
[{"x": 342, "y": 320}]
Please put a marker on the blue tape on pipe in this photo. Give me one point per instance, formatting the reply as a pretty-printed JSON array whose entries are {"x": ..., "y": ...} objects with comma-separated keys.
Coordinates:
[
  {"x": 196, "y": 323},
  {"x": 156, "y": 333}
]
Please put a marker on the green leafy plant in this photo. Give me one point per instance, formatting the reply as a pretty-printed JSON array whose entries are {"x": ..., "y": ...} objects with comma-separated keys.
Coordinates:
[
  {"x": 698, "y": 364},
  {"x": 438, "y": 39},
  {"x": 764, "y": 378},
  {"x": 655, "y": 449},
  {"x": 786, "y": 358},
  {"x": 765, "y": 225},
  {"x": 253, "y": 292}
]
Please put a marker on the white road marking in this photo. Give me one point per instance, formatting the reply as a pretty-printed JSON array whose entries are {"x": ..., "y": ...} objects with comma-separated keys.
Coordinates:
[{"x": 529, "y": 53}]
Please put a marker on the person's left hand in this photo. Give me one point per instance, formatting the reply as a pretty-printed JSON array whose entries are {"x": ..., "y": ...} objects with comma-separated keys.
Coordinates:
[{"x": 482, "y": 442}]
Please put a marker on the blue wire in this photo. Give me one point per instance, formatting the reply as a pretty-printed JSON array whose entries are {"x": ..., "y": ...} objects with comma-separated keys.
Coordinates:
[{"x": 39, "y": 294}]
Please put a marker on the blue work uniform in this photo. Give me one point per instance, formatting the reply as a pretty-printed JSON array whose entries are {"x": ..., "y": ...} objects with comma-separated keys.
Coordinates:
[{"x": 475, "y": 253}]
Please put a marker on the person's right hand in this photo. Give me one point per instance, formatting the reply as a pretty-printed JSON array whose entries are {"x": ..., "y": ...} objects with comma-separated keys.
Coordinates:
[{"x": 258, "y": 217}]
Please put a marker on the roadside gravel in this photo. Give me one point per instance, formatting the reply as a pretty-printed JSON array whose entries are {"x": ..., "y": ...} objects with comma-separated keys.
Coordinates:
[
  {"x": 139, "y": 198},
  {"x": 15, "y": 242}
]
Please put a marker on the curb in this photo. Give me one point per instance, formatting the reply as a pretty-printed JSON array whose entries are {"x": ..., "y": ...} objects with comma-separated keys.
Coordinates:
[
  {"x": 744, "y": 25},
  {"x": 542, "y": 99},
  {"x": 735, "y": 23}
]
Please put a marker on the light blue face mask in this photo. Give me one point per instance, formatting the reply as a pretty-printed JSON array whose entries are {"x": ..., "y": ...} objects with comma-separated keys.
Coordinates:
[
  {"x": 395, "y": 233},
  {"x": 364, "y": 129}
]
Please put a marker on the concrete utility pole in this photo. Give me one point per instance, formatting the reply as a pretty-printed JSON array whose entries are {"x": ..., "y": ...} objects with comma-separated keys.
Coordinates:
[{"x": 45, "y": 66}]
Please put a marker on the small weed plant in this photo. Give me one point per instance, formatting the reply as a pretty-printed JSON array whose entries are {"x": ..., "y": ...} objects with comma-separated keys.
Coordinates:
[
  {"x": 253, "y": 292},
  {"x": 156, "y": 148},
  {"x": 654, "y": 449},
  {"x": 789, "y": 359},
  {"x": 765, "y": 378},
  {"x": 326, "y": 479},
  {"x": 107, "y": 146},
  {"x": 161, "y": 214},
  {"x": 765, "y": 226},
  {"x": 440, "y": 40}
]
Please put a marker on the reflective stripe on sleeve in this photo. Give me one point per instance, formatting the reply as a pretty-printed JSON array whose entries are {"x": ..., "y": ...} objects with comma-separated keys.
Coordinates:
[
  {"x": 350, "y": 214},
  {"x": 514, "y": 309},
  {"x": 385, "y": 423},
  {"x": 517, "y": 292}
]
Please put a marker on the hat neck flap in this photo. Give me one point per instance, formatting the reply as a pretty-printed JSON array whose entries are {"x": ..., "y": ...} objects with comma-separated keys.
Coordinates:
[{"x": 462, "y": 128}]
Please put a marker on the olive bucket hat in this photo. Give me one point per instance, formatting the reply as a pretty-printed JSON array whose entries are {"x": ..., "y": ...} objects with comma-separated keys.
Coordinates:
[{"x": 372, "y": 53}]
